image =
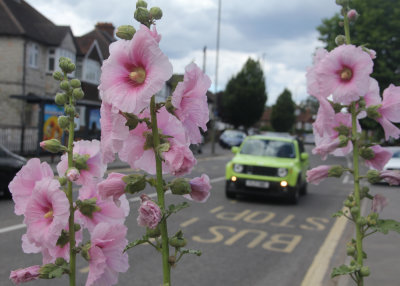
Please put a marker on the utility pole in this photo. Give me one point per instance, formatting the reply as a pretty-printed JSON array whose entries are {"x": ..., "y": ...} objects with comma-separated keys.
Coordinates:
[
  {"x": 204, "y": 59},
  {"x": 216, "y": 80}
]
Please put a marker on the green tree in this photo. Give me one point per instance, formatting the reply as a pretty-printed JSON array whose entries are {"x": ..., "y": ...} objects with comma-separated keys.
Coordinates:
[
  {"x": 282, "y": 114},
  {"x": 244, "y": 98},
  {"x": 378, "y": 26}
]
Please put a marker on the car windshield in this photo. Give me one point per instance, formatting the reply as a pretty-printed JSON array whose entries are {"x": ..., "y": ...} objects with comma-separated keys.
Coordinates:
[
  {"x": 231, "y": 133},
  {"x": 396, "y": 154},
  {"x": 267, "y": 147}
]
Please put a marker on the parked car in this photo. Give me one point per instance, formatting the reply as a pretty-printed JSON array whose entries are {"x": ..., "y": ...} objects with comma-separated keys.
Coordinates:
[
  {"x": 230, "y": 138},
  {"x": 10, "y": 164},
  {"x": 394, "y": 162},
  {"x": 268, "y": 165}
]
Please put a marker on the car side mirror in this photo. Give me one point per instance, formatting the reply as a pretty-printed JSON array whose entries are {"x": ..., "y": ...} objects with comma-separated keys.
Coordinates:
[
  {"x": 235, "y": 149},
  {"x": 304, "y": 156}
]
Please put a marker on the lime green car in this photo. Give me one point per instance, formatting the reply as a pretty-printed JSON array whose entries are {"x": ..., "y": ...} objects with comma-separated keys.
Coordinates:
[{"x": 268, "y": 165}]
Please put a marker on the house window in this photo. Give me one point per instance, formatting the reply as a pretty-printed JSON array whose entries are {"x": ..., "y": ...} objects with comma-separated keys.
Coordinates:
[
  {"x": 33, "y": 55},
  {"x": 51, "y": 60},
  {"x": 92, "y": 71}
]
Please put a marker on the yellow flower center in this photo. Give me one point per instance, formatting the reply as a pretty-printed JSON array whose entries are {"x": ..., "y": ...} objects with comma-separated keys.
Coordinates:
[
  {"x": 49, "y": 214},
  {"x": 346, "y": 74},
  {"x": 138, "y": 75}
]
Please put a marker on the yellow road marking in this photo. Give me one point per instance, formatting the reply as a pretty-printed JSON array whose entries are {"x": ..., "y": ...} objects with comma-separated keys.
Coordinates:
[
  {"x": 84, "y": 269},
  {"x": 217, "y": 209},
  {"x": 189, "y": 222},
  {"x": 320, "y": 264}
]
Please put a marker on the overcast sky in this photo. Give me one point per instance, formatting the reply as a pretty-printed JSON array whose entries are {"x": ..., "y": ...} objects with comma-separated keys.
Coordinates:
[{"x": 280, "y": 33}]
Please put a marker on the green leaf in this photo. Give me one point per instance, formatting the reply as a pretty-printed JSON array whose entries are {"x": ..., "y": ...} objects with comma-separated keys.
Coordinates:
[
  {"x": 190, "y": 251},
  {"x": 132, "y": 120},
  {"x": 342, "y": 270},
  {"x": 386, "y": 225},
  {"x": 338, "y": 214},
  {"x": 137, "y": 242},
  {"x": 176, "y": 208},
  {"x": 50, "y": 271},
  {"x": 88, "y": 207}
]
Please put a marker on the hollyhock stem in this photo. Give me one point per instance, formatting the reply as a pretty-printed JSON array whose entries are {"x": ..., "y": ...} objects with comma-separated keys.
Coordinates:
[
  {"x": 356, "y": 215},
  {"x": 72, "y": 254},
  {"x": 160, "y": 196}
]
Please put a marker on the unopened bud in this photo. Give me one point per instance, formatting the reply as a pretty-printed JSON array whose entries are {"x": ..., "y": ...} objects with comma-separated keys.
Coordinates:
[
  {"x": 78, "y": 93},
  {"x": 367, "y": 153},
  {"x": 335, "y": 171},
  {"x": 73, "y": 174},
  {"x": 64, "y": 85},
  {"x": 141, "y": 3},
  {"x": 352, "y": 15},
  {"x": 156, "y": 13},
  {"x": 178, "y": 240},
  {"x": 362, "y": 221},
  {"x": 153, "y": 233},
  {"x": 70, "y": 110},
  {"x": 343, "y": 130},
  {"x": 126, "y": 32},
  {"x": 71, "y": 67},
  {"x": 372, "y": 111},
  {"x": 350, "y": 250},
  {"x": 340, "y": 40},
  {"x": 180, "y": 186},
  {"x": 81, "y": 161},
  {"x": 63, "y": 64},
  {"x": 142, "y": 15},
  {"x": 355, "y": 211},
  {"x": 53, "y": 146},
  {"x": 75, "y": 83},
  {"x": 60, "y": 261},
  {"x": 57, "y": 75},
  {"x": 343, "y": 141},
  {"x": 365, "y": 271},
  {"x": 63, "y": 122},
  {"x": 63, "y": 181},
  {"x": 373, "y": 176},
  {"x": 61, "y": 98}
]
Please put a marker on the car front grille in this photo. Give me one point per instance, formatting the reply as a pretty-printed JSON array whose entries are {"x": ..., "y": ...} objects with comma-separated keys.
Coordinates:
[{"x": 262, "y": 171}]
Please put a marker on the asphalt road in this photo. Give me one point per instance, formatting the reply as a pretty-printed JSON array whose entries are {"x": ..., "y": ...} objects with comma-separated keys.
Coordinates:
[{"x": 247, "y": 241}]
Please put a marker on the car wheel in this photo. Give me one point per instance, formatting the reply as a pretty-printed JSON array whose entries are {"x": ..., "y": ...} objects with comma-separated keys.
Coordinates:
[
  {"x": 229, "y": 194},
  {"x": 294, "y": 195},
  {"x": 303, "y": 190}
]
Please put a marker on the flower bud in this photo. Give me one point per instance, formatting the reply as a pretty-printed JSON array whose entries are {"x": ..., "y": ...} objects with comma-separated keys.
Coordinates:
[
  {"x": 61, "y": 98},
  {"x": 180, "y": 186},
  {"x": 153, "y": 233},
  {"x": 362, "y": 221},
  {"x": 340, "y": 40},
  {"x": 60, "y": 261},
  {"x": 372, "y": 111},
  {"x": 73, "y": 174},
  {"x": 367, "y": 153},
  {"x": 365, "y": 271},
  {"x": 53, "y": 146},
  {"x": 78, "y": 93},
  {"x": 63, "y": 64},
  {"x": 355, "y": 211},
  {"x": 335, "y": 171},
  {"x": 141, "y": 3},
  {"x": 77, "y": 227},
  {"x": 75, "y": 83},
  {"x": 70, "y": 110},
  {"x": 62, "y": 180},
  {"x": 64, "y": 85},
  {"x": 63, "y": 122},
  {"x": 81, "y": 161},
  {"x": 85, "y": 251},
  {"x": 373, "y": 176},
  {"x": 134, "y": 183},
  {"x": 71, "y": 67},
  {"x": 343, "y": 141},
  {"x": 352, "y": 15},
  {"x": 142, "y": 15},
  {"x": 178, "y": 240},
  {"x": 126, "y": 32},
  {"x": 350, "y": 250},
  {"x": 156, "y": 13},
  {"x": 348, "y": 204},
  {"x": 57, "y": 75},
  {"x": 88, "y": 207}
]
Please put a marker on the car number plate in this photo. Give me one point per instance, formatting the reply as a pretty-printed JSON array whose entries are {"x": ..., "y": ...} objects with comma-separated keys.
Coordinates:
[{"x": 257, "y": 184}]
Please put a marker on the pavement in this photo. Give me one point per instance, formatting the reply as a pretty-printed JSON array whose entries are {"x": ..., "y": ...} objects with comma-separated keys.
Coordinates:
[{"x": 383, "y": 250}]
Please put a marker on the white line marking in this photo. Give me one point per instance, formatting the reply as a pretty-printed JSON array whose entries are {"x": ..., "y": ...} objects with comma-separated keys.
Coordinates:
[{"x": 11, "y": 228}]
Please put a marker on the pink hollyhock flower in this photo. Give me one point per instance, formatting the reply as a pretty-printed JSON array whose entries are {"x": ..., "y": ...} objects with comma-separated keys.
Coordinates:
[
  {"x": 382, "y": 156},
  {"x": 152, "y": 32},
  {"x": 24, "y": 182},
  {"x": 108, "y": 211},
  {"x": 134, "y": 72},
  {"x": 391, "y": 177},
  {"x": 200, "y": 189},
  {"x": 47, "y": 213},
  {"x": 190, "y": 101},
  {"x": 107, "y": 258},
  {"x": 178, "y": 159},
  {"x": 316, "y": 175},
  {"x": 378, "y": 203},
  {"x": 325, "y": 117},
  {"x": 149, "y": 213},
  {"x": 313, "y": 86},
  {"x": 113, "y": 187},
  {"x": 352, "y": 15},
  {"x": 25, "y": 275},
  {"x": 113, "y": 131},
  {"x": 344, "y": 73},
  {"x": 96, "y": 168}
]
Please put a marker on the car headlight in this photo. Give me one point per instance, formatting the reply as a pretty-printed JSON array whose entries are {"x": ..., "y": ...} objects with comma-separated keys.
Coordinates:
[
  {"x": 238, "y": 168},
  {"x": 282, "y": 172}
]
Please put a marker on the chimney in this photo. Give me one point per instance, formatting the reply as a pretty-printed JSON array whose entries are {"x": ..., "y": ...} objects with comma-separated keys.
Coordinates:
[{"x": 106, "y": 27}]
